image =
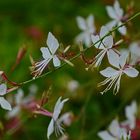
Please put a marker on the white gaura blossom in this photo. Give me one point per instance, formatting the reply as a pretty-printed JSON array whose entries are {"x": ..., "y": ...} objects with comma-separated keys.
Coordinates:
[
  {"x": 87, "y": 26},
  {"x": 20, "y": 100},
  {"x": 73, "y": 85},
  {"x": 67, "y": 118},
  {"x": 116, "y": 13},
  {"x": 130, "y": 113},
  {"x": 113, "y": 76},
  {"x": 55, "y": 123},
  {"x": 48, "y": 54},
  {"x": 114, "y": 132},
  {"x": 105, "y": 45},
  {"x": 4, "y": 103},
  {"x": 134, "y": 49}
]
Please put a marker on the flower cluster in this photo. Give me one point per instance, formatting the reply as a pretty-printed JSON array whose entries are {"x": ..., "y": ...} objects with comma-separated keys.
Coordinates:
[
  {"x": 128, "y": 129},
  {"x": 121, "y": 61},
  {"x": 124, "y": 62}
]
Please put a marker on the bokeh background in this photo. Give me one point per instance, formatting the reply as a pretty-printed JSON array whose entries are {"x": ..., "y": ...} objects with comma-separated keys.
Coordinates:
[{"x": 27, "y": 23}]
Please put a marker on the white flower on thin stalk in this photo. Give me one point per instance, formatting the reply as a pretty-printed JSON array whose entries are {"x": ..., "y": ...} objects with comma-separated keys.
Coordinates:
[
  {"x": 130, "y": 113},
  {"x": 55, "y": 124},
  {"x": 4, "y": 103},
  {"x": 48, "y": 54},
  {"x": 106, "y": 47},
  {"x": 117, "y": 14},
  {"x": 134, "y": 48},
  {"x": 114, "y": 132},
  {"x": 113, "y": 76},
  {"x": 87, "y": 26}
]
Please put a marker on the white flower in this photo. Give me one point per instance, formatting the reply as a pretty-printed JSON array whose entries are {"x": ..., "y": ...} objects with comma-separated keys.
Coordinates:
[
  {"x": 20, "y": 101},
  {"x": 116, "y": 13},
  {"x": 130, "y": 113},
  {"x": 114, "y": 132},
  {"x": 105, "y": 45},
  {"x": 4, "y": 103},
  {"x": 73, "y": 85},
  {"x": 48, "y": 53},
  {"x": 87, "y": 27},
  {"x": 67, "y": 118},
  {"x": 114, "y": 75},
  {"x": 134, "y": 48},
  {"x": 55, "y": 124}
]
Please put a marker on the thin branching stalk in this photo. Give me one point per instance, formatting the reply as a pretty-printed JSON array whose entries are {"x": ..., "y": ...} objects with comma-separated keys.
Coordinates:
[{"x": 78, "y": 54}]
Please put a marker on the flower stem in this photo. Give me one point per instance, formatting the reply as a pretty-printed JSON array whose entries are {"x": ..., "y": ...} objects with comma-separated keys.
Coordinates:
[{"x": 77, "y": 55}]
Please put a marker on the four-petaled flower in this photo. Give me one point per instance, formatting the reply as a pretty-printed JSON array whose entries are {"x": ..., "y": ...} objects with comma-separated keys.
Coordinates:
[
  {"x": 48, "y": 53},
  {"x": 21, "y": 102},
  {"x": 88, "y": 28},
  {"x": 130, "y": 113},
  {"x": 4, "y": 103},
  {"x": 55, "y": 124},
  {"x": 113, "y": 76},
  {"x": 114, "y": 132},
  {"x": 105, "y": 45},
  {"x": 116, "y": 13}
]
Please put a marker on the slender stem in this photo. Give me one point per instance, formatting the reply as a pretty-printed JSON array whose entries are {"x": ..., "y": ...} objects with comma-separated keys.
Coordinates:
[{"x": 77, "y": 55}]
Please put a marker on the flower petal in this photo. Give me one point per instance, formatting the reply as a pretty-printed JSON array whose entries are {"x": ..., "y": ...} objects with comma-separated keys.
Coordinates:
[
  {"x": 111, "y": 12},
  {"x": 87, "y": 39},
  {"x": 58, "y": 107},
  {"x": 122, "y": 29},
  {"x": 50, "y": 128},
  {"x": 79, "y": 38},
  {"x": 109, "y": 72},
  {"x": 104, "y": 135},
  {"x": 123, "y": 58},
  {"x": 56, "y": 61},
  {"x": 90, "y": 23},
  {"x": 52, "y": 43},
  {"x": 96, "y": 39},
  {"x": 5, "y": 104},
  {"x": 130, "y": 112},
  {"x": 108, "y": 41},
  {"x": 118, "y": 9},
  {"x": 81, "y": 23},
  {"x": 103, "y": 31},
  {"x": 19, "y": 96},
  {"x": 135, "y": 49},
  {"x": 131, "y": 72},
  {"x": 113, "y": 58},
  {"x": 114, "y": 128},
  {"x": 45, "y": 53},
  {"x": 3, "y": 89},
  {"x": 14, "y": 112},
  {"x": 111, "y": 24}
]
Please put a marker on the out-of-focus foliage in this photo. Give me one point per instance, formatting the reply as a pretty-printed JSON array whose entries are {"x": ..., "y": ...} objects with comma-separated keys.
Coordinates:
[{"x": 27, "y": 22}]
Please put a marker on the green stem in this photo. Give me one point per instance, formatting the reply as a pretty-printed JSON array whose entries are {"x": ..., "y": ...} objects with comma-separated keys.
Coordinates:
[{"x": 76, "y": 56}]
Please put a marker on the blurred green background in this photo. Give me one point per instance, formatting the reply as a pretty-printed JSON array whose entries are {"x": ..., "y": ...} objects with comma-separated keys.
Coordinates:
[{"x": 28, "y": 22}]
